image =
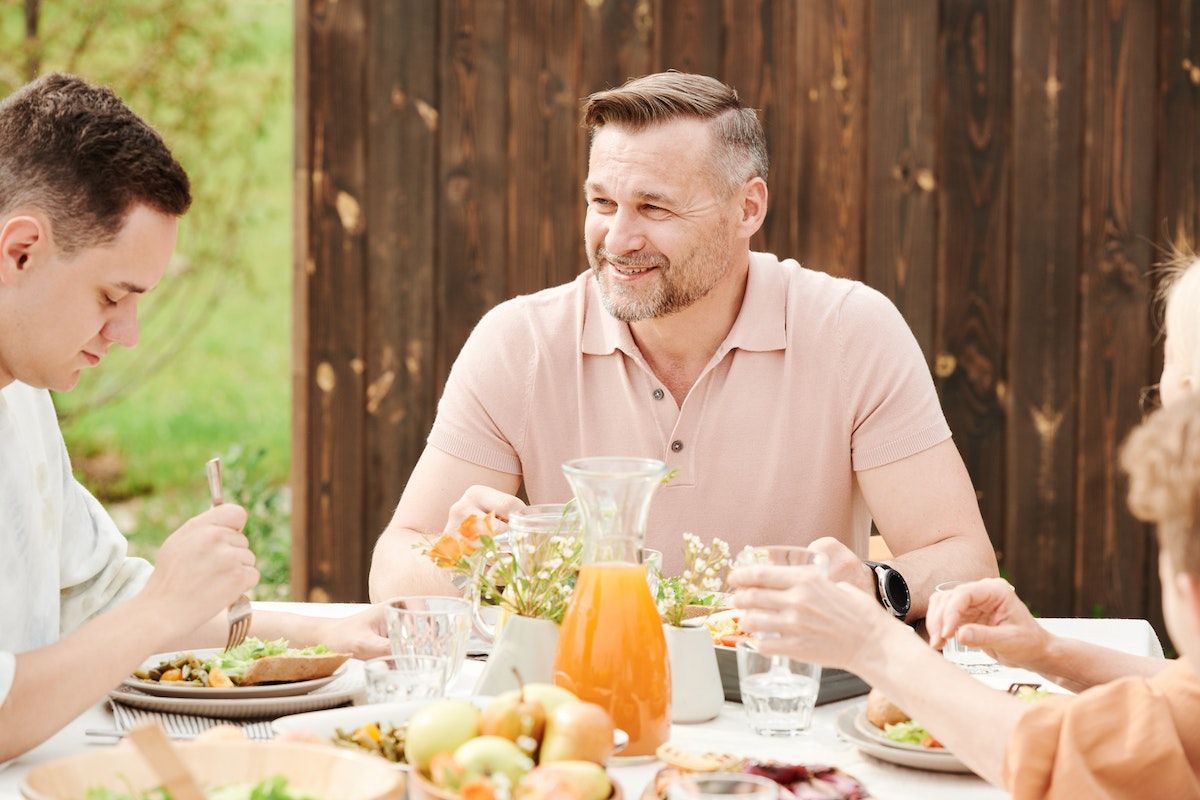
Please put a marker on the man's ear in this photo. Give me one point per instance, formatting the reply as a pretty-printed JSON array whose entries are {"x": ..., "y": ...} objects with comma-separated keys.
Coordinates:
[
  {"x": 21, "y": 237},
  {"x": 753, "y": 207}
]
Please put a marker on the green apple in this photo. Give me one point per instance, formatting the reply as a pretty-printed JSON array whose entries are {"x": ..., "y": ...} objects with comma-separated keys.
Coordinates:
[
  {"x": 439, "y": 728},
  {"x": 577, "y": 731},
  {"x": 587, "y": 780},
  {"x": 549, "y": 695},
  {"x": 485, "y": 756}
]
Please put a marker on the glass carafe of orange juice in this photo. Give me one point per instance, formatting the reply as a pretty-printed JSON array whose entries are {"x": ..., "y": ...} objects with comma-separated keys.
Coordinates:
[{"x": 611, "y": 649}]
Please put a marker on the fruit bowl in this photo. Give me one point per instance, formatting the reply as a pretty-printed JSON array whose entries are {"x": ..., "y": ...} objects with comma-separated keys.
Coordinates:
[
  {"x": 420, "y": 788},
  {"x": 318, "y": 771}
]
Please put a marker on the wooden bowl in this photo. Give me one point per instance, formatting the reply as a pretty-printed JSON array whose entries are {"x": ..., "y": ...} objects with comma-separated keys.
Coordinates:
[
  {"x": 324, "y": 772},
  {"x": 419, "y": 788}
]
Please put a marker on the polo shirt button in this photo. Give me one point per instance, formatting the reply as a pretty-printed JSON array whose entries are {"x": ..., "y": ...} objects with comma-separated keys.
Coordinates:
[
  {"x": 659, "y": 394},
  {"x": 676, "y": 445}
]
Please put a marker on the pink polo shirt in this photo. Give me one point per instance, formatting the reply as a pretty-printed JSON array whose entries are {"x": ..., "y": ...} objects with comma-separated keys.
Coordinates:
[{"x": 819, "y": 377}]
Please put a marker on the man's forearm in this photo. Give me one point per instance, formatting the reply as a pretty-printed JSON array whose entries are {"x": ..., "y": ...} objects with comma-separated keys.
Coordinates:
[
  {"x": 397, "y": 568},
  {"x": 55, "y": 684},
  {"x": 950, "y": 703},
  {"x": 955, "y": 558},
  {"x": 1078, "y": 665}
]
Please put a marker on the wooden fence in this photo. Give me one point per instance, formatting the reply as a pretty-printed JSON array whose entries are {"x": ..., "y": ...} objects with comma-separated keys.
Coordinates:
[{"x": 1005, "y": 170}]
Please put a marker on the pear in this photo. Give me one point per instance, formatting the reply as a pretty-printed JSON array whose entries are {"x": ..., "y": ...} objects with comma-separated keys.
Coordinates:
[
  {"x": 578, "y": 731},
  {"x": 517, "y": 719},
  {"x": 549, "y": 695}
]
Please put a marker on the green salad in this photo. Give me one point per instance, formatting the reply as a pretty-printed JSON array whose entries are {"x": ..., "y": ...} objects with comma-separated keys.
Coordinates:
[
  {"x": 236, "y": 661},
  {"x": 274, "y": 788},
  {"x": 909, "y": 733}
]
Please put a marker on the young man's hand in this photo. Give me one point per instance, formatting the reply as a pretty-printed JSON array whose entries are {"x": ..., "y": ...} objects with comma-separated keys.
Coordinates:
[
  {"x": 988, "y": 614},
  {"x": 201, "y": 569}
]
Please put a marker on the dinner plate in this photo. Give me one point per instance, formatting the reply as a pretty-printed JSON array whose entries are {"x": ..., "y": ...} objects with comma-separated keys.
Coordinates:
[
  {"x": 325, "y": 723},
  {"x": 344, "y": 688},
  {"x": 932, "y": 760},
  {"x": 177, "y": 689}
]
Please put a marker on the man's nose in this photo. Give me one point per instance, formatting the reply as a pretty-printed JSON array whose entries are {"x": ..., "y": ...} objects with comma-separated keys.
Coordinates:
[
  {"x": 625, "y": 234},
  {"x": 123, "y": 329}
]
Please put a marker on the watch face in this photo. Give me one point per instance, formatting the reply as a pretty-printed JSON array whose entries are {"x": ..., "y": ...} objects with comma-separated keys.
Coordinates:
[{"x": 897, "y": 591}]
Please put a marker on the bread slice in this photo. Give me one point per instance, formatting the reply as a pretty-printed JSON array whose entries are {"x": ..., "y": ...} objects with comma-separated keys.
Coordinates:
[
  {"x": 289, "y": 669},
  {"x": 881, "y": 711}
]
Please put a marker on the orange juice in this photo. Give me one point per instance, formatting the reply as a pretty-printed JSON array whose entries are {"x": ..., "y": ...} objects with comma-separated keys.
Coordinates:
[{"x": 611, "y": 651}]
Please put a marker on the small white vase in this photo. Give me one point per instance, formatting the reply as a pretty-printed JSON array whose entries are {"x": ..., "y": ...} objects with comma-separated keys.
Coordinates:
[
  {"x": 696, "y": 693},
  {"x": 525, "y": 644}
]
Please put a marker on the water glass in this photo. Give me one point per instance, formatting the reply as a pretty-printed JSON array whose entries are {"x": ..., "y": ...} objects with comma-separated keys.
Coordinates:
[
  {"x": 430, "y": 626},
  {"x": 396, "y": 679},
  {"x": 722, "y": 786},
  {"x": 971, "y": 659},
  {"x": 779, "y": 693}
]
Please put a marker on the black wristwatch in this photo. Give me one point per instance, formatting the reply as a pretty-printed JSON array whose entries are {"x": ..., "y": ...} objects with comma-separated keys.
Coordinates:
[{"x": 891, "y": 589}]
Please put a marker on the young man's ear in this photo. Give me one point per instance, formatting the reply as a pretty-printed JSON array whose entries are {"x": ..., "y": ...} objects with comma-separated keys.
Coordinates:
[{"x": 21, "y": 238}]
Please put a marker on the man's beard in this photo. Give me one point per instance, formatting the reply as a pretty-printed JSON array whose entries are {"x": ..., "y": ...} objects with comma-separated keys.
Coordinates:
[{"x": 677, "y": 285}]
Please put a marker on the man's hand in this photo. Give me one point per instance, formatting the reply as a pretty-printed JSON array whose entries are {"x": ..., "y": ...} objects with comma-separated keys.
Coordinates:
[
  {"x": 816, "y": 619},
  {"x": 364, "y": 634},
  {"x": 844, "y": 565},
  {"x": 988, "y": 614},
  {"x": 481, "y": 501},
  {"x": 201, "y": 569}
]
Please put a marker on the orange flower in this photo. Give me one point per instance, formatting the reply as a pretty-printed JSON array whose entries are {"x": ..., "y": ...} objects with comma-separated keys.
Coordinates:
[
  {"x": 446, "y": 551},
  {"x": 474, "y": 526}
]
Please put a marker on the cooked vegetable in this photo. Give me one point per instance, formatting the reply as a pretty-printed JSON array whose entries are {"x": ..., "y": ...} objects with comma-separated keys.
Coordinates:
[
  {"x": 382, "y": 739},
  {"x": 911, "y": 733},
  {"x": 223, "y": 669}
]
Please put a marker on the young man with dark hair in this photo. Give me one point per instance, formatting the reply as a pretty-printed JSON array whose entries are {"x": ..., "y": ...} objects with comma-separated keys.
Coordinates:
[{"x": 89, "y": 203}]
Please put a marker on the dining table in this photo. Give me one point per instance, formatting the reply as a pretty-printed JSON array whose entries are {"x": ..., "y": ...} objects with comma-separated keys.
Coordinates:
[{"x": 821, "y": 743}]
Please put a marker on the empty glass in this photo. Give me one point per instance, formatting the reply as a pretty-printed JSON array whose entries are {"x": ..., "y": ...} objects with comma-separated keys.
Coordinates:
[
  {"x": 722, "y": 786},
  {"x": 779, "y": 693},
  {"x": 396, "y": 679},
  {"x": 430, "y": 626},
  {"x": 971, "y": 659}
]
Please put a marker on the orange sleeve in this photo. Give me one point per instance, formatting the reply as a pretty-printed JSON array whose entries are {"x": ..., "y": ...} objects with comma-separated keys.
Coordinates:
[{"x": 1116, "y": 740}]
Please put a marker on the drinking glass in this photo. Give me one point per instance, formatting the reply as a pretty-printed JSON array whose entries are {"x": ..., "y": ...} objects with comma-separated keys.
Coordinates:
[
  {"x": 779, "y": 693},
  {"x": 395, "y": 679},
  {"x": 723, "y": 786},
  {"x": 972, "y": 659},
  {"x": 430, "y": 626}
]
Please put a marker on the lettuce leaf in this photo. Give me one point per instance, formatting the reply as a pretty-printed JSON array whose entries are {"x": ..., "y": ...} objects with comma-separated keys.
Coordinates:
[{"x": 236, "y": 661}]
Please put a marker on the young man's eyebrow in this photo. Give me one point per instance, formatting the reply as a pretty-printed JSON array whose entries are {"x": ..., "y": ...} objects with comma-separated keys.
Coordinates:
[{"x": 131, "y": 287}]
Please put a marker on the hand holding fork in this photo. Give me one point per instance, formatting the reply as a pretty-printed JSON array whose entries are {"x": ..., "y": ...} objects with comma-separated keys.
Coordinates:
[{"x": 239, "y": 612}]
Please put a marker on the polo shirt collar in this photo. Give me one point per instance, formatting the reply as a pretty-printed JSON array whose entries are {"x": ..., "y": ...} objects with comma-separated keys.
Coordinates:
[{"x": 761, "y": 324}]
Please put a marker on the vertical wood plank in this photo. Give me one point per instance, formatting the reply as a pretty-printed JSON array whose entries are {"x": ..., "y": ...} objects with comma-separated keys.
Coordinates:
[
  {"x": 900, "y": 202},
  {"x": 544, "y": 205},
  {"x": 473, "y": 118},
  {"x": 974, "y": 169},
  {"x": 1115, "y": 345},
  {"x": 689, "y": 36},
  {"x": 832, "y": 65},
  {"x": 336, "y": 311},
  {"x": 302, "y": 257},
  {"x": 617, "y": 42},
  {"x": 401, "y": 223},
  {"x": 1047, "y": 149}
]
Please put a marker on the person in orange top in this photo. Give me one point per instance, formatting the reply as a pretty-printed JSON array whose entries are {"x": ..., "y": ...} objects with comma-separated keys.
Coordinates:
[{"x": 1132, "y": 737}]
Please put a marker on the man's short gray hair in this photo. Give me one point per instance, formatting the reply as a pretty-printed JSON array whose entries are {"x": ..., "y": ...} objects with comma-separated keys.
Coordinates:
[{"x": 741, "y": 147}]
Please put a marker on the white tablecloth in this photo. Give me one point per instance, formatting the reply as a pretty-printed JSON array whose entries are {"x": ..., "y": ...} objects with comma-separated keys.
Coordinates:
[{"x": 727, "y": 733}]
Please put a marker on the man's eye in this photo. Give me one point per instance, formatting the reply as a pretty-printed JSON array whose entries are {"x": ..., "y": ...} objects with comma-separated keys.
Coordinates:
[
  {"x": 600, "y": 201},
  {"x": 108, "y": 301}
]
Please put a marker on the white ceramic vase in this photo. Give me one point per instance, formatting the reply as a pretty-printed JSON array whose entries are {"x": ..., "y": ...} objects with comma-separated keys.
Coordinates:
[
  {"x": 525, "y": 644},
  {"x": 696, "y": 693}
]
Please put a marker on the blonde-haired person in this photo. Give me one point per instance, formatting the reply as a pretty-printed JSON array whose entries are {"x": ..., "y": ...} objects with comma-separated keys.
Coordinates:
[{"x": 1133, "y": 737}]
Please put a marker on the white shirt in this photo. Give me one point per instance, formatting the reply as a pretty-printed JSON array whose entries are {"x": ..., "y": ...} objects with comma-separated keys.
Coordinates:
[{"x": 62, "y": 559}]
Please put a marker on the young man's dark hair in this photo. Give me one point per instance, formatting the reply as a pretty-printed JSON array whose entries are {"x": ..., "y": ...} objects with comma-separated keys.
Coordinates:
[{"x": 81, "y": 156}]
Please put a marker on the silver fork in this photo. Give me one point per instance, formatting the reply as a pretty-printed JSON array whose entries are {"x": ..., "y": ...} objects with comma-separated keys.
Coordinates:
[{"x": 239, "y": 612}]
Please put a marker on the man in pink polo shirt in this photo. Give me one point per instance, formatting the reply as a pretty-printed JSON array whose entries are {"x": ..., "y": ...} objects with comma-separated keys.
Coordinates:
[{"x": 795, "y": 406}]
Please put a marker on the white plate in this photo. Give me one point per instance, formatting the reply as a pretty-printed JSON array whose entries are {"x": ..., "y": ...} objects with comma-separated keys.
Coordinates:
[
  {"x": 345, "y": 688},
  {"x": 932, "y": 760},
  {"x": 326, "y": 723},
  {"x": 175, "y": 689}
]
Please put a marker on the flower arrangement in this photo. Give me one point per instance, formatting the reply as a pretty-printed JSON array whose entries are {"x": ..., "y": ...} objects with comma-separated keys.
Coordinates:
[
  {"x": 531, "y": 575},
  {"x": 702, "y": 582}
]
